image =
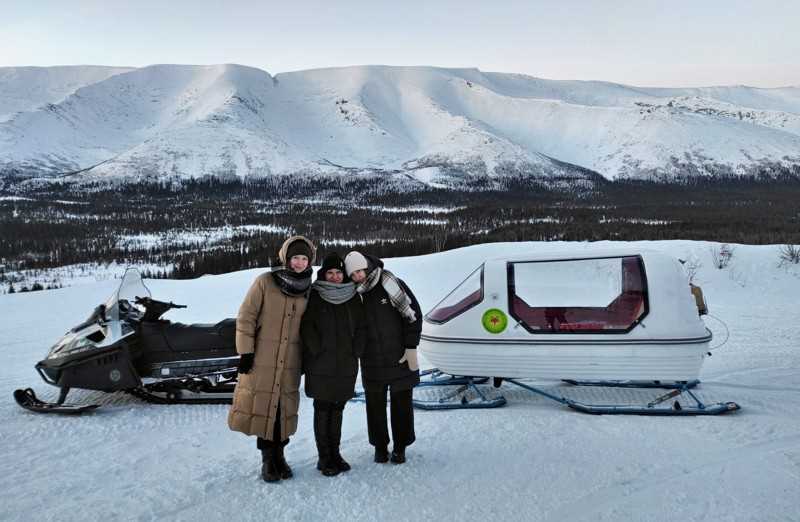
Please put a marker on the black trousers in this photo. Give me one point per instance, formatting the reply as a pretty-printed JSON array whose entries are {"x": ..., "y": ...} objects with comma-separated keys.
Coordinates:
[
  {"x": 276, "y": 441},
  {"x": 402, "y": 411},
  {"x": 320, "y": 404},
  {"x": 328, "y": 417}
]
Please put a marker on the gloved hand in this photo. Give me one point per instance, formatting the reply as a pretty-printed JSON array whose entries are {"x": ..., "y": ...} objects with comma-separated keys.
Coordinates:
[
  {"x": 410, "y": 357},
  {"x": 246, "y": 362}
]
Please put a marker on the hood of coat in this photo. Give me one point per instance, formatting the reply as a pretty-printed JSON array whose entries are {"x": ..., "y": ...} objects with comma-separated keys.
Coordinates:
[
  {"x": 374, "y": 262},
  {"x": 285, "y": 246}
]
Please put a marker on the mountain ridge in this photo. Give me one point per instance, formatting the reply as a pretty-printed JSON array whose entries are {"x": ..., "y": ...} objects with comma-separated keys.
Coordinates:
[{"x": 228, "y": 120}]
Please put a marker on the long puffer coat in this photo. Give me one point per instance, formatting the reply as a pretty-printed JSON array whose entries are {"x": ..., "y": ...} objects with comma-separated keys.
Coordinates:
[
  {"x": 269, "y": 325},
  {"x": 388, "y": 335},
  {"x": 333, "y": 338}
]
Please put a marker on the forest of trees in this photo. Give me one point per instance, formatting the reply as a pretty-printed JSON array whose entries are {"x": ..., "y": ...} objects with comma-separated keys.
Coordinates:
[{"x": 57, "y": 224}]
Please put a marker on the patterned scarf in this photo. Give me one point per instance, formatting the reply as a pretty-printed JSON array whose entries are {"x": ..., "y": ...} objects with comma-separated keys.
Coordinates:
[
  {"x": 390, "y": 283},
  {"x": 334, "y": 293},
  {"x": 292, "y": 283}
]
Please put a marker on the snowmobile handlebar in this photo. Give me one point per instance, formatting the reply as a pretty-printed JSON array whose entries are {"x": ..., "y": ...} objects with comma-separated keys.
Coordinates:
[
  {"x": 155, "y": 309},
  {"x": 145, "y": 301}
]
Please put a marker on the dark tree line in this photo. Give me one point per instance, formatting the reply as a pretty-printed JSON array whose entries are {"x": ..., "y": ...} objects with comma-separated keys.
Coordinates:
[{"x": 62, "y": 223}]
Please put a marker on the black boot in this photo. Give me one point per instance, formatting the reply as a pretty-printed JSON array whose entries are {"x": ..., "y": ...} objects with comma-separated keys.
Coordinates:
[
  {"x": 381, "y": 454},
  {"x": 398, "y": 455},
  {"x": 321, "y": 423},
  {"x": 280, "y": 462},
  {"x": 336, "y": 438},
  {"x": 269, "y": 469}
]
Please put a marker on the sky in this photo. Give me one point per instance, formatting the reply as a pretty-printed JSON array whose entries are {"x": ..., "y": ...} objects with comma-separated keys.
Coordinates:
[{"x": 641, "y": 42}]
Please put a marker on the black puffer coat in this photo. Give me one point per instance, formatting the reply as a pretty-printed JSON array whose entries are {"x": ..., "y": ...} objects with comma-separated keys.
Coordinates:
[
  {"x": 388, "y": 335},
  {"x": 333, "y": 338}
]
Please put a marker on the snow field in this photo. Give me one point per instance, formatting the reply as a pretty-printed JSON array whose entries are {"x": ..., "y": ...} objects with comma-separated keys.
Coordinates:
[{"x": 531, "y": 460}]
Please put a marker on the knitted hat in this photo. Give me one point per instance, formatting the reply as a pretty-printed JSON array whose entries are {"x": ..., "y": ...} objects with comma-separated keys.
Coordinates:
[
  {"x": 332, "y": 261},
  {"x": 355, "y": 261},
  {"x": 298, "y": 247}
]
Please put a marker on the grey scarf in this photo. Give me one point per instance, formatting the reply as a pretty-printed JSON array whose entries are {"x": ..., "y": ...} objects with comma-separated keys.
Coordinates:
[{"x": 334, "y": 293}]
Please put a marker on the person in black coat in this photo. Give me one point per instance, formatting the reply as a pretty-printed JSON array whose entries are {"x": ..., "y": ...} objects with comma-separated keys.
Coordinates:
[
  {"x": 333, "y": 333},
  {"x": 389, "y": 362}
]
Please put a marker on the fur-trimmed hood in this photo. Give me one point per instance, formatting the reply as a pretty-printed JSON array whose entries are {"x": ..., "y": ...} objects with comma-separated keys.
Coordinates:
[{"x": 285, "y": 247}]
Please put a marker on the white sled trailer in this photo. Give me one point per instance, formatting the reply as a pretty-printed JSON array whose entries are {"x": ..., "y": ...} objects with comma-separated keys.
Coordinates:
[{"x": 600, "y": 316}]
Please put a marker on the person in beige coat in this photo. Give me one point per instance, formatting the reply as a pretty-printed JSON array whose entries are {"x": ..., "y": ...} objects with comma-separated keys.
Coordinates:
[{"x": 267, "y": 396}]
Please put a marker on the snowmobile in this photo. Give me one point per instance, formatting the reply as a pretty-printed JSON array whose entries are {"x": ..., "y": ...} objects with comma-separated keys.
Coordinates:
[{"x": 125, "y": 345}]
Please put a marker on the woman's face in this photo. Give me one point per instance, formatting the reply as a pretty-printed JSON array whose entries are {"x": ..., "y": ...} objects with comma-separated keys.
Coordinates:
[
  {"x": 358, "y": 276},
  {"x": 334, "y": 275},
  {"x": 298, "y": 263}
]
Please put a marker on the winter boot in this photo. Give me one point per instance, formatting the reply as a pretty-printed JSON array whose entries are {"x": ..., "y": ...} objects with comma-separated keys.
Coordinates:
[
  {"x": 325, "y": 464},
  {"x": 269, "y": 468},
  {"x": 398, "y": 455},
  {"x": 381, "y": 454},
  {"x": 335, "y": 439},
  {"x": 281, "y": 464}
]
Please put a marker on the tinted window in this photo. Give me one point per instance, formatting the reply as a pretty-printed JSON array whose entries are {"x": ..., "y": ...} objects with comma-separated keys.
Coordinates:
[{"x": 465, "y": 296}]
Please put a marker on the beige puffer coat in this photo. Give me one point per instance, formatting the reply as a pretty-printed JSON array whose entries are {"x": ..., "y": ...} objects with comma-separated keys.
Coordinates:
[{"x": 269, "y": 325}]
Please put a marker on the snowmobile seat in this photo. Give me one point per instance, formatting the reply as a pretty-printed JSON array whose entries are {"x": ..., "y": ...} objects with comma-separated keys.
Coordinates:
[
  {"x": 225, "y": 323},
  {"x": 201, "y": 337}
]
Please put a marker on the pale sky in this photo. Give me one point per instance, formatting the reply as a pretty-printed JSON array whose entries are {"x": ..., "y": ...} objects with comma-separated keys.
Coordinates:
[{"x": 636, "y": 42}]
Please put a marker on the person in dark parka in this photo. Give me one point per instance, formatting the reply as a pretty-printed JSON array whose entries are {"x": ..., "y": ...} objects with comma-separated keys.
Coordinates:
[
  {"x": 333, "y": 333},
  {"x": 389, "y": 363}
]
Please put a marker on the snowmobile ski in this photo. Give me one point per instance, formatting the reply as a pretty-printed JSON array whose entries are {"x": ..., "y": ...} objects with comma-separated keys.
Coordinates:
[{"x": 27, "y": 399}]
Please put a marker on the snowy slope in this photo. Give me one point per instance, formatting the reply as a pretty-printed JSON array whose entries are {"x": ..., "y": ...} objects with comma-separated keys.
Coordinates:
[
  {"x": 531, "y": 460},
  {"x": 230, "y": 120},
  {"x": 27, "y": 88}
]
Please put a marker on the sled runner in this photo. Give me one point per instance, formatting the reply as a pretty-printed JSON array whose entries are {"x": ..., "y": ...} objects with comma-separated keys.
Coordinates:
[{"x": 664, "y": 398}]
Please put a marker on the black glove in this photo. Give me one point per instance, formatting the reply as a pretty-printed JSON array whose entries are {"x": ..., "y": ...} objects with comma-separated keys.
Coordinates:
[{"x": 246, "y": 362}]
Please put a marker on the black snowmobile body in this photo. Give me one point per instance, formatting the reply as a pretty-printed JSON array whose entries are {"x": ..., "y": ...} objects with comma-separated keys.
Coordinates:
[{"x": 126, "y": 345}]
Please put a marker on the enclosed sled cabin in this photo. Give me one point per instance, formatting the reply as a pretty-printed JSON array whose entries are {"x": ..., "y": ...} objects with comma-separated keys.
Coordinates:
[{"x": 618, "y": 315}]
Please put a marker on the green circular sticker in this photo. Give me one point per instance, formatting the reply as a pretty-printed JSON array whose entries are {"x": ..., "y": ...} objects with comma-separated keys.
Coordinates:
[{"x": 494, "y": 320}]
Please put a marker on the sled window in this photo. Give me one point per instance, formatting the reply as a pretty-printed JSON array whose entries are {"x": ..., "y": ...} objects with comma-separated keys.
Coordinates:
[
  {"x": 605, "y": 295},
  {"x": 465, "y": 296}
]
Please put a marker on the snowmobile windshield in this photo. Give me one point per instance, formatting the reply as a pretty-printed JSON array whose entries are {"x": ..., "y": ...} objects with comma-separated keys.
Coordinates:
[{"x": 123, "y": 300}]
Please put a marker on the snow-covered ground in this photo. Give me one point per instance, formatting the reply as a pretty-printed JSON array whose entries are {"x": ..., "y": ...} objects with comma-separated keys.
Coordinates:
[
  {"x": 71, "y": 275},
  {"x": 206, "y": 236},
  {"x": 531, "y": 460}
]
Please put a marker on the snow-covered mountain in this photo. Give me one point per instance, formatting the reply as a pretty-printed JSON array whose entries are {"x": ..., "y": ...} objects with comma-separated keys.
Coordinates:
[
  {"x": 427, "y": 123},
  {"x": 27, "y": 88}
]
